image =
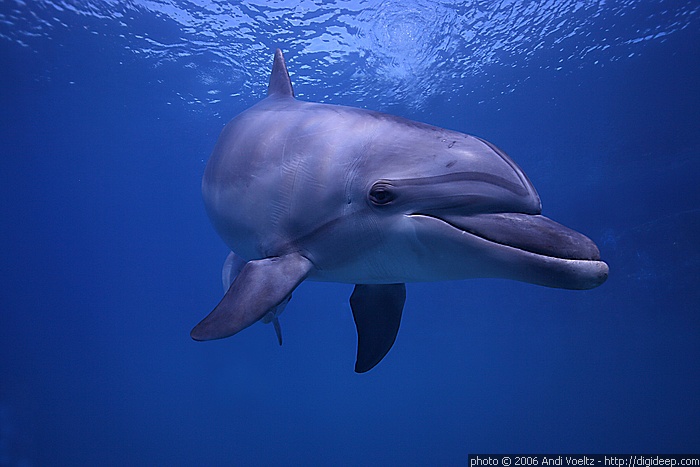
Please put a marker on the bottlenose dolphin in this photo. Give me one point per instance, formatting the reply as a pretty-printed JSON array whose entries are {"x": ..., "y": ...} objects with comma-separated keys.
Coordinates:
[{"x": 308, "y": 191}]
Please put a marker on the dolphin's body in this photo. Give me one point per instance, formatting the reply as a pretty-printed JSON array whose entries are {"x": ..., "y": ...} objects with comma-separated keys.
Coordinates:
[{"x": 303, "y": 190}]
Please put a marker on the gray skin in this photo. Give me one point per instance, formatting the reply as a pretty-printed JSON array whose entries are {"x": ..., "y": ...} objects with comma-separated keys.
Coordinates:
[{"x": 308, "y": 191}]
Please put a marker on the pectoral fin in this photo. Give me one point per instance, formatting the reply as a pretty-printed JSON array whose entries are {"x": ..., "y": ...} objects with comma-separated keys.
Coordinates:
[
  {"x": 260, "y": 286},
  {"x": 272, "y": 316},
  {"x": 278, "y": 329},
  {"x": 377, "y": 311},
  {"x": 233, "y": 265}
]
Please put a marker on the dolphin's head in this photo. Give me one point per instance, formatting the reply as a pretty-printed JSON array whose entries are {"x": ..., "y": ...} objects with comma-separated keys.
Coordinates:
[{"x": 455, "y": 206}]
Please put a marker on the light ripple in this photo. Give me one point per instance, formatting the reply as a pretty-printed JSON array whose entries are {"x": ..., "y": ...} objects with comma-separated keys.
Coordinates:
[{"x": 385, "y": 51}]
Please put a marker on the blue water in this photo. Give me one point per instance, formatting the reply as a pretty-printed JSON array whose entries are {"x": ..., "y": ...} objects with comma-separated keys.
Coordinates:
[{"x": 108, "y": 111}]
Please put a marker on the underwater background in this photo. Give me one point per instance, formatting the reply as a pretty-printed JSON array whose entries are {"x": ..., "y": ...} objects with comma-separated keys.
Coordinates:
[{"x": 108, "y": 112}]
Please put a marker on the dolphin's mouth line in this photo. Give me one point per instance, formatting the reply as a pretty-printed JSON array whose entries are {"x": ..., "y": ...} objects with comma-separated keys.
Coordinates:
[{"x": 534, "y": 234}]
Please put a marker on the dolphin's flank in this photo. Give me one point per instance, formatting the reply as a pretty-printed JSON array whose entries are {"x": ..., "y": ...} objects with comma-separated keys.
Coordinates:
[{"x": 307, "y": 191}]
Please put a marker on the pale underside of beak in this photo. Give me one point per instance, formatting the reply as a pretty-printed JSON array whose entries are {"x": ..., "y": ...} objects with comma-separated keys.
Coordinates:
[{"x": 536, "y": 249}]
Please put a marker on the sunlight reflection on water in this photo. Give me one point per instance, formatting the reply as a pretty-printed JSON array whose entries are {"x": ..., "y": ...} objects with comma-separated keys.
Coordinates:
[{"x": 382, "y": 50}]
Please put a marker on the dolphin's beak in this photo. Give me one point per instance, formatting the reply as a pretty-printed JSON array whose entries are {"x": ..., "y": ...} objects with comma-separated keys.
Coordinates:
[
  {"x": 496, "y": 214},
  {"x": 533, "y": 233},
  {"x": 524, "y": 247}
]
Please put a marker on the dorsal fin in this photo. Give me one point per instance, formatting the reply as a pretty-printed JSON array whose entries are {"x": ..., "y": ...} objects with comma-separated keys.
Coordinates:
[{"x": 280, "y": 84}]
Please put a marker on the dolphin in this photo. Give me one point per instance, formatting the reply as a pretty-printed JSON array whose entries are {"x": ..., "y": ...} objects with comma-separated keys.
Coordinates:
[{"x": 309, "y": 191}]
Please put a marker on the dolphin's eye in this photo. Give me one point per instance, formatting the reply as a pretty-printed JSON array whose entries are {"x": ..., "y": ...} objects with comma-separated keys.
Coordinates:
[{"x": 381, "y": 194}]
